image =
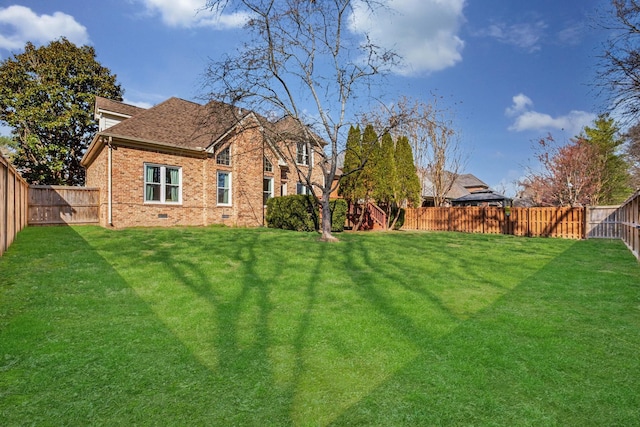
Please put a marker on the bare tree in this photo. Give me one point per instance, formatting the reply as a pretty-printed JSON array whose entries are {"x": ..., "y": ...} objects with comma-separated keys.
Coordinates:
[
  {"x": 437, "y": 153},
  {"x": 619, "y": 73},
  {"x": 302, "y": 64},
  {"x": 632, "y": 153}
]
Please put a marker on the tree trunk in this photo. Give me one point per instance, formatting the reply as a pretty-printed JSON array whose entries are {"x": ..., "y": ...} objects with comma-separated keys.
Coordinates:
[
  {"x": 362, "y": 214},
  {"x": 325, "y": 225},
  {"x": 395, "y": 218}
]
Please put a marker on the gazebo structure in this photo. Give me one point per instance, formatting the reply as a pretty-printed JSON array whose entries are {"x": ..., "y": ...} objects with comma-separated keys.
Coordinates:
[
  {"x": 462, "y": 185},
  {"x": 482, "y": 198}
]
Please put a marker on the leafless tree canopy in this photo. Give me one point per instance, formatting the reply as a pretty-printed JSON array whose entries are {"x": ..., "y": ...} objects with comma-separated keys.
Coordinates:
[
  {"x": 619, "y": 74},
  {"x": 301, "y": 63},
  {"x": 632, "y": 152},
  {"x": 434, "y": 140}
]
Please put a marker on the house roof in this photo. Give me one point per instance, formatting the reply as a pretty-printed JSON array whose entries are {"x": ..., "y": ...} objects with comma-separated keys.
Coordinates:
[
  {"x": 179, "y": 123},
  {"x": 459, "y": 188},
  {"x": 468, "y": 180},
  {"x": 120, "y": 108}
]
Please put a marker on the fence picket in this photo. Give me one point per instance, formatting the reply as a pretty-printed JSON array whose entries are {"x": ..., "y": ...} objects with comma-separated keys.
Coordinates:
[
  {"x": 549, "y": 222},
  {"x": 58, "y": 204},
  {"x": 629, "y": 223},
  {"x": 13, "y": 204}
]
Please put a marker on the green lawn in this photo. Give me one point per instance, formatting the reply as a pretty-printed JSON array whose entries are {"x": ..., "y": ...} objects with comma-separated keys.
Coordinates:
[{"x": 219, "y": 326}]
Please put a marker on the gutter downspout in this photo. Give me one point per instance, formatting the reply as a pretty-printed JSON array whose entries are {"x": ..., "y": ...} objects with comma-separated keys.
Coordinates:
[{"x": 109, "y": 181}]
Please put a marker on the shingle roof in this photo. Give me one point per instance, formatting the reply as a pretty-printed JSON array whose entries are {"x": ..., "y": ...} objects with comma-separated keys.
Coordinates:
[
  {"x": 289, "y": 128},
  {"x": 178, "y": 123},
  {"x": 469, "y": 180},
  {"x": 116, "y": 107},
  {"x": 459, "y": 188},
  {"x": 482, "y": 196}
]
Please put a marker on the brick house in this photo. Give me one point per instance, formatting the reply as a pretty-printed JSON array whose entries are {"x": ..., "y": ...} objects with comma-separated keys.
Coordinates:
[{"x": 183, "y": 163}]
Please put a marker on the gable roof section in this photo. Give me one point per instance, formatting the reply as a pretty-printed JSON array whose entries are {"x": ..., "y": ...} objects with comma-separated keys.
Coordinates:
[
  {"x": 289, "y": 128},
  {"x": 468, "y": 180},
  {"x": 459, "y": 188},
  {"x": 116, "y": 107},
  {"x": 178, "y": 123}
]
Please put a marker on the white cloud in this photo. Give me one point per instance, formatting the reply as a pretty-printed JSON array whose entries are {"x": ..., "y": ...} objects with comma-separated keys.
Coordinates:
[
  {"x": 520, "y": 103},
  {"x": 525, "y": 36},
  {"x": 508, "y": 185},
  {"x": 572, "y": 35},
  {"x": 192, "y": 13},
  {"x": 423, "y": 32},
  {"x": 19, "y": 24},
  {"x": 527, "y": 119}
]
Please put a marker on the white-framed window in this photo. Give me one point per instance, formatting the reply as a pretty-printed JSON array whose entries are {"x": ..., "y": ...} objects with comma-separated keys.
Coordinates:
[
  {"x": 302, "y": 154},
  {"x": 162, "y": 184},
  {"x": 302, "y": 189},
  {"x": 267, "y": 189},
  {"x": 268, "y": 167},
  {"x": 224, "y": 188},
  {"x": 224, "y": 157}
]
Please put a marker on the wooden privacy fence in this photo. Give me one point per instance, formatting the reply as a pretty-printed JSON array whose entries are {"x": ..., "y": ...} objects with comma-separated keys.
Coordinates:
[
  {"x": 603, "y": 222},
  {"x": 532, "y": 222},
  {"x": 13, "y": 204},
  {"x": 57, "y": 204},
  {"x": 629, "y": 218}
]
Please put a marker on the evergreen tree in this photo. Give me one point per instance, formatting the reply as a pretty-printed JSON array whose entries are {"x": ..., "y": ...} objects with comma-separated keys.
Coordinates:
[
  {"x": 370, "y": 156},
  {"x": 385, "y": 188},
  {"x": 615, "y": 174},
  {"x": 366, "y": 179},
  {"x": 352, "y": 167},
  {"x": 47, "y": 96},
  {"x": 408, "y": 181}
]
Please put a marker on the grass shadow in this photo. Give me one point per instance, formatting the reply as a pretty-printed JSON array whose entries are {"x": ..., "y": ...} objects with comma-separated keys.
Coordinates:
[
  {"x": 244, "y": 327},
  {"x": 557, "y": 349},
  {"x": 80, "y": 347}
]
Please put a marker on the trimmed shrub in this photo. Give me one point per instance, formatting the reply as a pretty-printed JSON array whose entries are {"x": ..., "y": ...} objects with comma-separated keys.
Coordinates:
[
  {"x": 339, "y": 209},
  {"x": 297, "y": 212}
]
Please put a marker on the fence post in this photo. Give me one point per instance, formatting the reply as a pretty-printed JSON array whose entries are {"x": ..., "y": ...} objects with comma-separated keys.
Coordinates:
[
  {"x": 5, "y": 225},
  {"x": 584, "y": 222}
]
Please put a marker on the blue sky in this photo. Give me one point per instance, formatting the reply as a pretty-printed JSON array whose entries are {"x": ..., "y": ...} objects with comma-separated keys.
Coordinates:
[{"x": 509, "y": 71}]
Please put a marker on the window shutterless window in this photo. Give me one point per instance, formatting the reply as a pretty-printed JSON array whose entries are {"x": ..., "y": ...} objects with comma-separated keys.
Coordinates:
[
  {"x": 162, "y": 184},
  {"x": 268, "y": 167},
  {"x": 224, "y": 157},
  {"x": 224, "y": 188},
  {"x": 267, "y": 189},
  {"x": 302, "y": 154},
  {"x": 302, "y": 189}
]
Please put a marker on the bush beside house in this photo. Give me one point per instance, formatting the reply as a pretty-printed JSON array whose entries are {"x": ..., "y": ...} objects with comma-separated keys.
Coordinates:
[{"x": 300, "y": 213}]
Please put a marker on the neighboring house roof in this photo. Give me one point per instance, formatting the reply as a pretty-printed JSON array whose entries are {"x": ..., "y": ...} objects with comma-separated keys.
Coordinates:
[
  {"x": 468, "y": 180},
  {"x": 462, "y": 185}
]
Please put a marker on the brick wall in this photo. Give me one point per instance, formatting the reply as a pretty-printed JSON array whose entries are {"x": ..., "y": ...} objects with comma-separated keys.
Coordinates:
[
  {"x": 128, "y": 205},
  {"x": 199, "y": 184},
  {"x": 96, "y": 176}
]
